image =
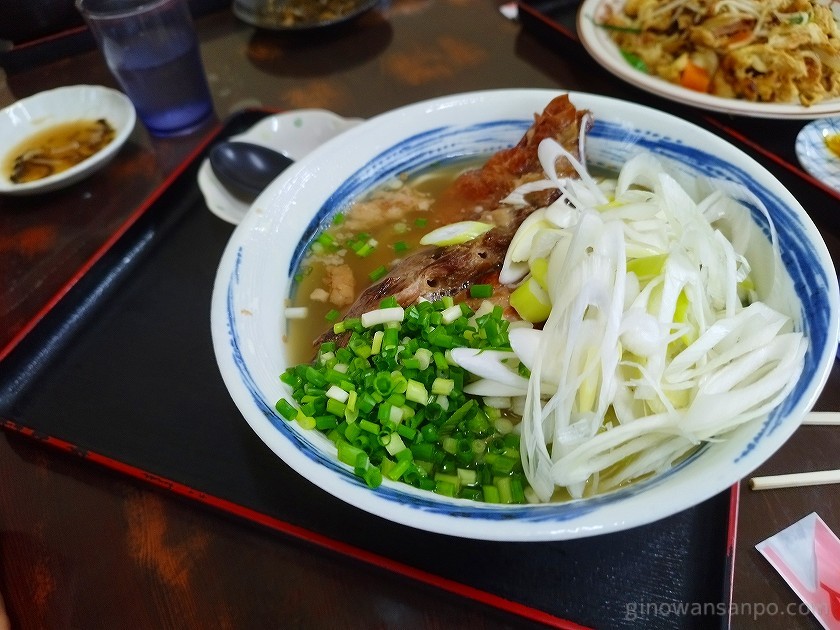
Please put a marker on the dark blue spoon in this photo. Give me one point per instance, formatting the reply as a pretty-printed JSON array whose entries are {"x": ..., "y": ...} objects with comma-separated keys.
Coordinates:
[{"x": 244, "y": 168}]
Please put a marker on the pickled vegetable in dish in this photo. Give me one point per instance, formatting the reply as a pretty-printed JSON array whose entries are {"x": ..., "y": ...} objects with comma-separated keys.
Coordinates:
[
  {"x": 57, "y": 149},
  {"x": 780, "y": 51},
  {"x": 564, "y": 334}
]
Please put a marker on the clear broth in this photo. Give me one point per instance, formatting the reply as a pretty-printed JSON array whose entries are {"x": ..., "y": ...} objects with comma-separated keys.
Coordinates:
[
  {"x": 56, "y": 149},
  {"x": 390, "y": 237}
]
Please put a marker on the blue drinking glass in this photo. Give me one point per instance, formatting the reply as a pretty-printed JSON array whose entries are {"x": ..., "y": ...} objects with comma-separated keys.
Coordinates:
[{"x": 152, "y": 50}]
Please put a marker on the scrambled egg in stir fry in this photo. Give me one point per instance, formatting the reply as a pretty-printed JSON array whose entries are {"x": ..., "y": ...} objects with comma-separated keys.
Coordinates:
[{"x": 758, "y": 50}]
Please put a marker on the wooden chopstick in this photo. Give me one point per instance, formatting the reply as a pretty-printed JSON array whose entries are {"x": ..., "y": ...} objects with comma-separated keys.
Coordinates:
[
  {"x": 795, "y": 480},
  {"x": 823, "y": 418}
]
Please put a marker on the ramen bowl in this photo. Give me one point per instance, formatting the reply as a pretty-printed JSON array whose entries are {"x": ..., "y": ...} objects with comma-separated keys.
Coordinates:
[{"x": 256, "y": 275}]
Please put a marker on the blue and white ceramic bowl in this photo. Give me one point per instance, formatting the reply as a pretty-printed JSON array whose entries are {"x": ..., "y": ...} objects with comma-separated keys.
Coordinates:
[{"x": 254, "y": 279}]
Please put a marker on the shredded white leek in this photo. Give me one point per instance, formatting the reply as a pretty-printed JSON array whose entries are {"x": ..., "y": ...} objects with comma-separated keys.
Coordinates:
[
  {"x": 656, "y": 341},
  {"x": 455, "y": 233}
]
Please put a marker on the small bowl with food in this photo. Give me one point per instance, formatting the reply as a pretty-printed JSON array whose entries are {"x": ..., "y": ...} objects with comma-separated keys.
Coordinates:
[
  {"x": 58, "y": 137},
  {"x": 300, "y": 16},
  {"x": 525, "y": 315}
]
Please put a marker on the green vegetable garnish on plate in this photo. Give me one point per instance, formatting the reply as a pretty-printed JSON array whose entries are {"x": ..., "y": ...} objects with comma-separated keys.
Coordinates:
[{"x": 635, "y": 61}]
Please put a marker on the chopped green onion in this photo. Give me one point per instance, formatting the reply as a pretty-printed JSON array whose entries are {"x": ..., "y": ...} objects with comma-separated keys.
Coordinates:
[
  {"x": 416, "y": 392},
  {"x": 491, "y": 494},
  {"x": 376, "y": 342},
  {"x": 445, "y": 488},
  {"x": 392, "y": 401},
  {"x": 395, "y": 445},
  {"x": 325, "y": 423},
  {"x": 372, "y": 477},
  {"x": 338, "y": 394},
  {"x": 306, "y": 422},
  {"x": 286, "y": 409},
  {"x": 481, "y": 290},
  {"x": 382, "y": 316},
  {"x": 363, "y": 244},
  {"x": 443, "y": 386},
  {"x": 327, "y": 241},
  {"x": 367, "y": 425},
  {"x": 451, "y": 314},
  {"x": 335, "y": 407},
  {"x": 467, "y": 477},
  {"x": 359, "y": 347},
  {"x": 399, "y": 469},
  {"x": 377, "y": 274}
]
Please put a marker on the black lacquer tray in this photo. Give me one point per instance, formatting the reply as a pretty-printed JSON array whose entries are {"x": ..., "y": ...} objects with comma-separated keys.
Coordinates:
[{"x": 121, "y": 372}]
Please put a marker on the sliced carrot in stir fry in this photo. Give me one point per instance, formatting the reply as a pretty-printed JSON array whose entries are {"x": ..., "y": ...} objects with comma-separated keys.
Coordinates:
[{"x": 695, "y": 78}]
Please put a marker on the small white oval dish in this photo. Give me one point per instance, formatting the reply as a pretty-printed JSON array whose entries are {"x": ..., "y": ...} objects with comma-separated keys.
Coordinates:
[
  {"x": 815, "y": 156},
  {"x": 41, "y": 111},
  {"x": 294, "y": 133}
]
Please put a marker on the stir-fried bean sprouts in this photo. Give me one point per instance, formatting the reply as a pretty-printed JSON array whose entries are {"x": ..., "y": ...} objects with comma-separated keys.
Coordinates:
[{"x": 758, "y": 50}]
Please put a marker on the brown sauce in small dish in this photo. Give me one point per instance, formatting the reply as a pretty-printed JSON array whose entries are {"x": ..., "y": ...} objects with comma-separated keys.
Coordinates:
[{"x": 57, "y": 149}]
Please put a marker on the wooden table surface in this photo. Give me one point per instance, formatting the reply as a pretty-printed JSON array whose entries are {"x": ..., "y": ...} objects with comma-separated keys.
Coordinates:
[{"x": 83, "y": 547}]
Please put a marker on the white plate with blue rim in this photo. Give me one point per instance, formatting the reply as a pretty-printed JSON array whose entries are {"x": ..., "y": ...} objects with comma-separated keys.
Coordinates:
[
  {"x": 815, "y": 155},
  {"x": 294, "y": 133},
  {"x": 256, "y": 275}
]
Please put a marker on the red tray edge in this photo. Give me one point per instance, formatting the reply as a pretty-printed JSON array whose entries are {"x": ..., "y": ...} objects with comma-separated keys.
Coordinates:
[{"x": 297, "y": 532}]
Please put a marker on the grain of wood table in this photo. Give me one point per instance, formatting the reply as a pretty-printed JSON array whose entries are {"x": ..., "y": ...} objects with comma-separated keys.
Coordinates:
[{"x": 84, "y": 545}]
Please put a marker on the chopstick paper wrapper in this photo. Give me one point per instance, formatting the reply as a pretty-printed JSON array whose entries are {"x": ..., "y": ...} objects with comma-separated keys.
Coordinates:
[{"x": 807, "y": 556}]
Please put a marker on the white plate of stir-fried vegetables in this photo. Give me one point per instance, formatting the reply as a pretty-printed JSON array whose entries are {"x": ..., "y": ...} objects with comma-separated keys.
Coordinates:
[
  {"x": 620, "y": 316},
  {"x": 758, "y": 58}
]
